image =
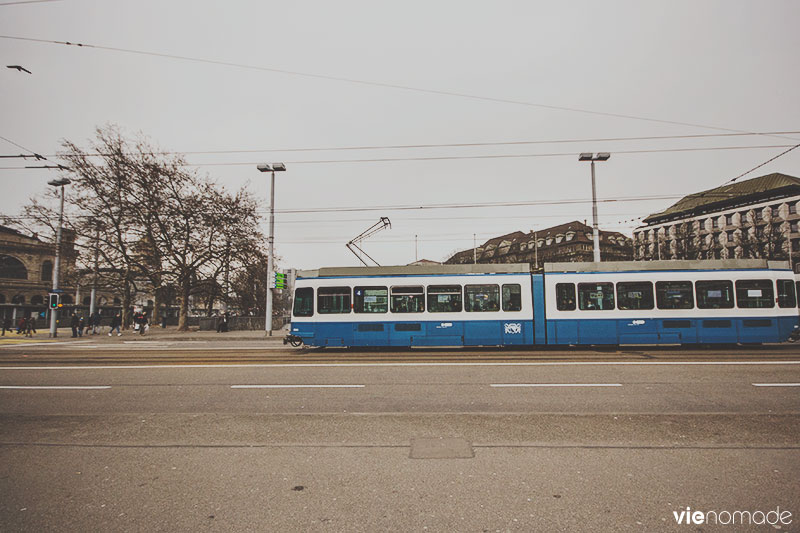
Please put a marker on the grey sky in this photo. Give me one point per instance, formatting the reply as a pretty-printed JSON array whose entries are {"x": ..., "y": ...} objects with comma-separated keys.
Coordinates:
[{"x": 729, "y": 64}]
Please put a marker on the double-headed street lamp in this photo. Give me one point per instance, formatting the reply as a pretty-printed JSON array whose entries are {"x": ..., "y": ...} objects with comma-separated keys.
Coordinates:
[
  {"x": 275, "y": 167},
  {"x": 54, "y": 312},
  {"x": 588, "y": 156}
]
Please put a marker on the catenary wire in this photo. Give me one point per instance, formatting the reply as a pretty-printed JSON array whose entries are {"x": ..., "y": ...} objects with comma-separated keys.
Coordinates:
[
  {"x": 762, "y": 164},
  {"x": 18, "y": 2},
  {"x": 366, "y": 82},
  {"x": 445, "y": 145},
  {"x": 468, "y": 157}
]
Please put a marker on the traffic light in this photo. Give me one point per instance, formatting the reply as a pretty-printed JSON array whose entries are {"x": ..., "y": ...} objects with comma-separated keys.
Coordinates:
[
  {"x": 278, "y": 280},
  {"x": 54, "y": 301}
]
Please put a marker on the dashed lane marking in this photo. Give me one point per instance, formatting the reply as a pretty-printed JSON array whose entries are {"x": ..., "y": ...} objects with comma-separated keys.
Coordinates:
[
  {"x": 55, "y": 387},
  {"x": 555, "y": 385},
  {"x": 297, "y": 386}
]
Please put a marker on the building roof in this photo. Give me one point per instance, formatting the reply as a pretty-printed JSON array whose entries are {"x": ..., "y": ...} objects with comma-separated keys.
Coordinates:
[
  {"x": 415, "y": 270},
  {"x": 671, "y": 264},
  {"x": 16, "y": 233},
  {"x": 582, "y": 232},
  {"x": 727, "y": 194}
]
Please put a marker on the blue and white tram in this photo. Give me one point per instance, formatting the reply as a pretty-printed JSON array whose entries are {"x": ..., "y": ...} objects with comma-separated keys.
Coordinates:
[{"x": 659, "y": 302}]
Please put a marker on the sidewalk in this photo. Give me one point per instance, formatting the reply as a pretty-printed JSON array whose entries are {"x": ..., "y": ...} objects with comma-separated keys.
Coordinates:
[{"x": 168, "y": 334}]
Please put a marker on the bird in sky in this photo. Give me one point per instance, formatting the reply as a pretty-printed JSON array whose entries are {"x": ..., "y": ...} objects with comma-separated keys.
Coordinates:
[{"x": 19, "y": 68}]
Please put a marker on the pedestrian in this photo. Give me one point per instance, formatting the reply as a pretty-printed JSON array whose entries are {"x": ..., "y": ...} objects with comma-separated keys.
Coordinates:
[
  {"x": 74, "y": 323},
  {"x": 142, "y": 323},
  {"x": 96, "y": 319},
  {"x": 20, "y": 325},
  {"x": 31, "y": 326},
  {"x": 116, "y": 322},
  {"x": 222, "y": 323},
  {"x": 81, "y": 325}
]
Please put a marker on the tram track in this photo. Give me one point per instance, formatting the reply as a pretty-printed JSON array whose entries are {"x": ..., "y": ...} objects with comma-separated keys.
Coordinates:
[{"x": 254, "y": 356}]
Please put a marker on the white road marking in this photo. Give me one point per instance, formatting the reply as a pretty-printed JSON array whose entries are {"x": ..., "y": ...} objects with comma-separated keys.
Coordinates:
[
  {"x": 356, "y": 365},
  {"x": 54, "y": 387},
  {"x": 776, "y": 384},
  {"x": 297, "y": 386},
  {"x": 555, "y": 385}
]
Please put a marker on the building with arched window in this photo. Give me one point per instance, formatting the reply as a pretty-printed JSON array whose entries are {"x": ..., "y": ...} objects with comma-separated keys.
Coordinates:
[
  {"x": 26, "y": 271},
  {"x": 26, "y": 278}
]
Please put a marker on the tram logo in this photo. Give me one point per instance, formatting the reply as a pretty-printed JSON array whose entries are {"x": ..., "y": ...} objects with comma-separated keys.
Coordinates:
[
  {"x": 637, "y": 323},
  {"x": 444, "y": 325},
  {"x": 513, "y": 328}
]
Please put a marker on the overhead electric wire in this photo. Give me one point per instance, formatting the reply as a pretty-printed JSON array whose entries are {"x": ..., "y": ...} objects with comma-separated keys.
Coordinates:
[
  {"x": 480, "y": 156},
  {"x": 366, "y": 82},
  {"x": 764, "y": 163},
  {"x": 33, "y": 154},
  {"x": 27, "y": 2},
  {"x": 444, "y": 145},
  {"x": 426, "y": 207},
  {"x": 489, "y": 156}
]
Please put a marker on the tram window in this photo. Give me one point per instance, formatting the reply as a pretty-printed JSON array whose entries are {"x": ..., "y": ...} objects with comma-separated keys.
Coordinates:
[
  {"x": 333, "y": 300},
  {"x": 714, "y": 294},
  {"x": 481, "y": 298},
  {"x": 786, "y": 296},
  {"x": 755, "y": 294},
  {"x": 565, "y": 296},
  {"x": 595, "y": 296},
  {"x": 304, "y": 302},
  {"x": 632, "y": 295},
  {"x": 444, "y": 298},
  {"x": 674, "y": 295},
  {"x": 408, "y": 300},
  {"x": 370, "y": 299},
  {"x": 512, "y": 297}
]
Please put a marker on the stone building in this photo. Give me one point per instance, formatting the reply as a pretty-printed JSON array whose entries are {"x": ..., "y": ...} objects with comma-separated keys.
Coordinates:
[
  {"x": 26, "y": 275},
  {"x": 755, "y": 218},
  {"x": 568, "y": 242},
  {"x": 26, "y": 271}
]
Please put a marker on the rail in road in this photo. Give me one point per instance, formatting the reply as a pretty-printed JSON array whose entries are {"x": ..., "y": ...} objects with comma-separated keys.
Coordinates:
[{"x": 214, "y": 354}]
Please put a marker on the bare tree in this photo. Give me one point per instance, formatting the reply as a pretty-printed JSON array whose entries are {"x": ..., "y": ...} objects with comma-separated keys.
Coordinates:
[
  {"x": 686, "y": 245},
  {"x": 152, "y": 222}
]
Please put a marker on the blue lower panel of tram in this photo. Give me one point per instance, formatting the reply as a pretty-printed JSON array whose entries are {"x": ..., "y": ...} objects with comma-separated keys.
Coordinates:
[
  {"x": 671, "y": 331},
  {"x": 456, "y": 333}
]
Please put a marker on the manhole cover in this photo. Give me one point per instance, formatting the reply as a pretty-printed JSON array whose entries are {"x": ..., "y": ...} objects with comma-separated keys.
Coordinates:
[{"x": 441, "y": 449}]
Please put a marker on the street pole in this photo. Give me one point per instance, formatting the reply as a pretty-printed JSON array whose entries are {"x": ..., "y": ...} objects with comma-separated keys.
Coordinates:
[
  {"x": 595, "y": 228},
  {"x": 227, "y": 273},
  {"x": 94, "y": 281},
  {"x": 588, "y": 156},
  {"x": 275, "y": 167},
  {"x": 57, "y": 267},
  {"x": 270, "y": 260}
]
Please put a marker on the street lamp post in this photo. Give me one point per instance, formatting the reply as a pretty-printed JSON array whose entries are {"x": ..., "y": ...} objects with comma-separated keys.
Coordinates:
[
  {"x": 57, "y": 267},
  {"x": 602, "y": 156},
  {"x": 275, "y": 167}
]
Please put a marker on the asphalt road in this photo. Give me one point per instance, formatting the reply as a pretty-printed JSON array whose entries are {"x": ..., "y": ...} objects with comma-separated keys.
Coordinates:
[{"x": 235, "y": 437}]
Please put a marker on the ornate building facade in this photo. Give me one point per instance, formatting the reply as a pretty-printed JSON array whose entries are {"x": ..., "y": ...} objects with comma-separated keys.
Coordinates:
[
  {"x": 568, "y": 242},
  {"x": 26, "y": 275}
]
